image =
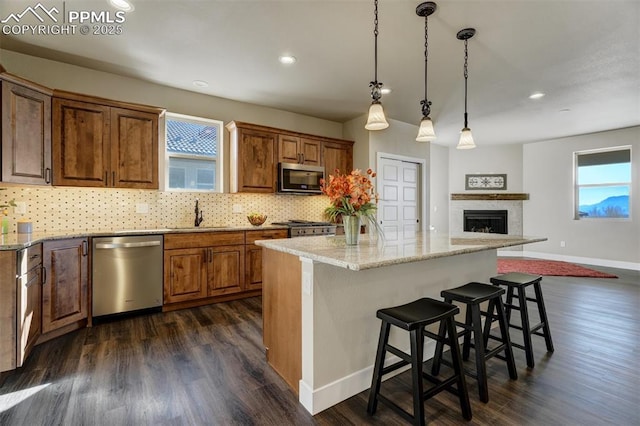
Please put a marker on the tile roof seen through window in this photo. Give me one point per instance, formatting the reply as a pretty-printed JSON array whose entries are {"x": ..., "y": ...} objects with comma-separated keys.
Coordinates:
[{"x": 191, "y": 138}]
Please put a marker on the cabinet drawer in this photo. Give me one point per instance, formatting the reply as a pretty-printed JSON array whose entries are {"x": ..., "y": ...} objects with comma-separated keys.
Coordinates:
[
  {"x": 202, "y": 239},
  {"x": 265, "y": 235},
  {"x": 29, "y": 259}
]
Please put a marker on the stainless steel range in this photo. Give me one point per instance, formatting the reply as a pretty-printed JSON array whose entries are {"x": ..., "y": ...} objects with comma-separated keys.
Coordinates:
[{"x": 307, "y": 228}]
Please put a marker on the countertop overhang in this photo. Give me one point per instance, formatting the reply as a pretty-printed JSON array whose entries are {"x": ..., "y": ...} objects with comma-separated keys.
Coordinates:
[
  {"x": 376, "y": 252},
  {"x": 14, "y": 241}
]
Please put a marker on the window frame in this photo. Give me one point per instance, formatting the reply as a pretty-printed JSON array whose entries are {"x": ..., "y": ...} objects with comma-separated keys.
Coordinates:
[
  {"x": 219, "y": 158},
  {"x": 577, "y": 186}
]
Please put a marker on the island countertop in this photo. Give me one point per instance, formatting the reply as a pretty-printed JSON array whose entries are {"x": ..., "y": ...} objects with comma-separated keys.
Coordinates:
[{"x": 376, "y": 252}]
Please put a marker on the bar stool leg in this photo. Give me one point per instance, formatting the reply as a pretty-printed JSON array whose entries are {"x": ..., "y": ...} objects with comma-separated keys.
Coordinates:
[
  {"x": 417, "y": 344},
  {"x": 543, "y": 316},
  {"x": 377, "y": 368},
  {"x": 437, "y": 355},
  {"x": 487, "y": 323},
  {"x": 526, "y": 328},
  {"x": 504, "y": 331},
  {"x": 466, "y": 346},
  {"x": 463, "y": 395},
  {"x": 509, "y": 303},
  {"x": 478, "y": 341}
]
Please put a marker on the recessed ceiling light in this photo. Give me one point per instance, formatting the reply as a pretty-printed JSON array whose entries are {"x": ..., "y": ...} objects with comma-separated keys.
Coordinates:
[
  {"x": 287, "y": 59},
  {"x": 200, "y": 83},
  {"x": 536, "y": 95},
  {"x": 122, "y": 5},
  {"x": 565, "y": 110},
  {"x": 385, "y": 91}
]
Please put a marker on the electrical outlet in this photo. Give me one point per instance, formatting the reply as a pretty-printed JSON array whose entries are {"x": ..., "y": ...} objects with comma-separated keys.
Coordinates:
[
  {"x": 237, "y": 208},
  {"x": 562, "y": 244},
  {"x": 142, "y": 208},
  {"x": 20, "y": 208}
]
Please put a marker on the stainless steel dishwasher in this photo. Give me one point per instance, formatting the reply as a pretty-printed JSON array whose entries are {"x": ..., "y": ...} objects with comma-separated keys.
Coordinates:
[{"x": 127, "y": 273}]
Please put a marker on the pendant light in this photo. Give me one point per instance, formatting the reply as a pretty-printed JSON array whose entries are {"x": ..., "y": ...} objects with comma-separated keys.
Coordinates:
[
  {"x": 376, "y": 119},
  {"x": 426, "y": 132},
  {"x": 466, "y": 139}
]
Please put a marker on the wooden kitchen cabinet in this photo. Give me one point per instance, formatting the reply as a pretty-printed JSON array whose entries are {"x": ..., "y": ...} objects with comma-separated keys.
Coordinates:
[
  {"x": 201, "y": 268},
  {"x": 299, "y": 150},
  {"x": 337, "y": 155},
  {"x": 256, "y": 151},
  {"x": 26, "y": 132},
  {"x": 8, "y": 332},
  {"x": 103, "y": 143},
  {"x": 253, "y": 159},
  {"x": 185, "y": 274},
  {"x": 65, "y": 284},
  {"x": 253, "y": 256},
  {"x": 29, "y": 300}
]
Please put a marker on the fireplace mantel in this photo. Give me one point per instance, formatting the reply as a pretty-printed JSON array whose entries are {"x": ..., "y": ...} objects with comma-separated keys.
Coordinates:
[{"x": 490, "y": 196}]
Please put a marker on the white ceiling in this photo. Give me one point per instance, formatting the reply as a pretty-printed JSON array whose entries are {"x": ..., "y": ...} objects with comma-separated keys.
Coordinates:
[{"x": 585, "y": 55}]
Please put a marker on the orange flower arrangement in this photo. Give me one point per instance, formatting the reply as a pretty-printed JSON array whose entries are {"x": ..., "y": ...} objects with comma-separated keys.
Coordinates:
[{"x": 351, "y": 195}]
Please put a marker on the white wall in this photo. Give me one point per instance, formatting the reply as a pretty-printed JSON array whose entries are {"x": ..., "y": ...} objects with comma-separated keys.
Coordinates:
[
  {"x": 58, "y": 75},
  {"x": 548, "y": 177},
  {"x": 492, "y": 159},
  {"x": 439, "y": 188}
]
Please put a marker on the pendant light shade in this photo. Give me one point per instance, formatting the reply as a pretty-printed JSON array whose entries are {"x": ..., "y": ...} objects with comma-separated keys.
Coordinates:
[
  {"x": 376, "y": 119},
  {"x": 426, "y": 131},
  {"x": 466, "y": 139}
]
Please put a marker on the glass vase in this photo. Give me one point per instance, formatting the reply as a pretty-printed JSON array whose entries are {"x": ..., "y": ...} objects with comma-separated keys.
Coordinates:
[{"x": 351, "y": 229}]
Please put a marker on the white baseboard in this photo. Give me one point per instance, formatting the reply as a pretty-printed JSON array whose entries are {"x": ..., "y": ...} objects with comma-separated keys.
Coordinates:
[
  {"x": 633, "y": 266},
  {"x": 317, "y": 400}
]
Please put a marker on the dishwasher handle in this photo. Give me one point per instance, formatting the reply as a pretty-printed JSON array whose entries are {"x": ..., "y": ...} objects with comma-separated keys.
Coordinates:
[{"x": 127, "y": 245}]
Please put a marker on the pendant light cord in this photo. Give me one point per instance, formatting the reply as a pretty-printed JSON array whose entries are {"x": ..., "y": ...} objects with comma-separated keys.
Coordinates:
[
  {"x": 426, "y": 53},
  {"x": 375, "y": 42},
  {"x": 466, "y": 76},
  {"x": 376, "y": 87},
  {"x": 426, "y": 104}
]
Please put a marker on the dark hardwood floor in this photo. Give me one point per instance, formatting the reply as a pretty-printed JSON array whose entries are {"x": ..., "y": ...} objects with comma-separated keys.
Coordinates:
[{"x": 205, "y": 366}]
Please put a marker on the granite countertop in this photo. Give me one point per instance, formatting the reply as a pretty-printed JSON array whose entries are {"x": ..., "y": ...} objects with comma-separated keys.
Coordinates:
[
  {"x": 15, "y": 241},
  {"x": 376, "y": 253}
]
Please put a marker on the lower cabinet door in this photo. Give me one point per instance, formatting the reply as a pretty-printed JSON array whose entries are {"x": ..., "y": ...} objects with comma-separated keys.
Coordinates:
[
  {"x": 64, "y": 292},
  {"x": 253, "y": 280},
  {"x": 226, "y": 270},
  {"x": 185, "y": 274}
]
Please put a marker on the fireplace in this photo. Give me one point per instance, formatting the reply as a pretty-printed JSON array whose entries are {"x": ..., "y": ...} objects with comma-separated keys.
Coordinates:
[{"x": 488, "y": 221}]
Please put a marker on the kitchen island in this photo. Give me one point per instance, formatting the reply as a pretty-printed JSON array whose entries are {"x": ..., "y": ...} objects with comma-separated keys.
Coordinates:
[{"x": 320, "y": 299}]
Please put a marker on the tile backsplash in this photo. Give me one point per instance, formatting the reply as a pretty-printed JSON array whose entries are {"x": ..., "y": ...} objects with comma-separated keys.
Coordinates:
[{"x": 63, "y": 208}]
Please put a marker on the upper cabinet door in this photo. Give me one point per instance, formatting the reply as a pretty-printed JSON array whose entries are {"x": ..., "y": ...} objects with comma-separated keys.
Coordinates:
[
  {"x": 337, "y": 156},
  {"x": 26, "y": 135},
  {"x": 288, "y": 149},
  {"x": 310, "y": 151},
  {"x": 257, "y": 161},
  {"x": 81, "y": 154},
  {"x": 134, "y": 149}
]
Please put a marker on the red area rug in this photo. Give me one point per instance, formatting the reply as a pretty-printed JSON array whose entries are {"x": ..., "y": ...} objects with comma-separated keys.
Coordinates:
[{"x": 549, "y": 267}]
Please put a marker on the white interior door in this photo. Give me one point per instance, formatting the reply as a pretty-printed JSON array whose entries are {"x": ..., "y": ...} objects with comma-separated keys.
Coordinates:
[{"x": 399, "y": 208}]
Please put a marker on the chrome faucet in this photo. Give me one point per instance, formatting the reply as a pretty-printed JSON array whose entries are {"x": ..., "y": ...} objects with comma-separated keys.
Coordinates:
[{"x": 199, "y": 217}]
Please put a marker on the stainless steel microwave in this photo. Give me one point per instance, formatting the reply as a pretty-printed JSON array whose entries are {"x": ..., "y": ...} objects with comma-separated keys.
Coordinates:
[{"x": 299, "y": 178}]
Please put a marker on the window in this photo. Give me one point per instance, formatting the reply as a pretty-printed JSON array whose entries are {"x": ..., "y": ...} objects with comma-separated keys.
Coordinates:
[
  {"x": 193, "y": 153},
  {"x": 603, "y": 183}
]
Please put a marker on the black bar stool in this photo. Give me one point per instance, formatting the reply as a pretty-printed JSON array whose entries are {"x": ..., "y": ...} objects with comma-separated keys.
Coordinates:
[
  {"x": 519, "y": 281},
  {"x": 472, "y": 295},
  {"x": 414, "y": 317}
]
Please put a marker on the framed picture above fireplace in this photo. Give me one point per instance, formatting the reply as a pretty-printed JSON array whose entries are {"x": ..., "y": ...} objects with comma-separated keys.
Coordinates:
[{"x": 498, "y": 182}]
